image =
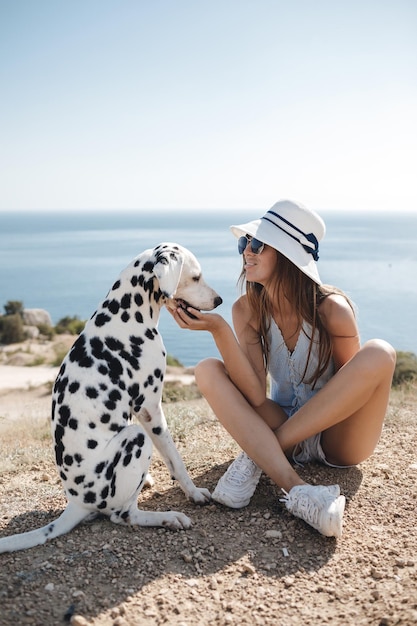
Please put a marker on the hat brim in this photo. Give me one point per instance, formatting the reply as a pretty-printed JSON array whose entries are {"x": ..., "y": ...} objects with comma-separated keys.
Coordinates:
[{"x": 281, "y": 241}]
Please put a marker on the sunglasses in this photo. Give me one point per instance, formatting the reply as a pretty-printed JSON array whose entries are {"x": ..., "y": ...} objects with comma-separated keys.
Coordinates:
[{"x": 256, "y": 246}]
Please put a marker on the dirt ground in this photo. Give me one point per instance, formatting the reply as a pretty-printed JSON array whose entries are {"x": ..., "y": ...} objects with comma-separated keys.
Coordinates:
[{"x": 258, "y": 565}]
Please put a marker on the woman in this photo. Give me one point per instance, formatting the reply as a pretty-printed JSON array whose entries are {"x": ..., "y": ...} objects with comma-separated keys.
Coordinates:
[{"x": 328, "y": 395}]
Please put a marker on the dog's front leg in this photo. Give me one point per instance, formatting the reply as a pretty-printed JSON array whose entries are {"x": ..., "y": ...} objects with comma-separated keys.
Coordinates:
[{"x": 156, "y": 426}]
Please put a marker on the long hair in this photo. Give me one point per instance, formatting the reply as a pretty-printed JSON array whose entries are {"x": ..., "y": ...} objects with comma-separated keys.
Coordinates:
[{"x": 305, "y": 295}]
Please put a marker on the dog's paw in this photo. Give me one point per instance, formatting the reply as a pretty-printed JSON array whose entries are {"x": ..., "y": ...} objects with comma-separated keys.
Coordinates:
[
  {"x": 174, "y": 520},
  {"x": 200, "y": 495}
]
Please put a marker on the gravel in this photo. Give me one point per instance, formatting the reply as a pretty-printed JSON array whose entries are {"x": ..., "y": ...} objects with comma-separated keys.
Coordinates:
[{"x": 258, "y": 565}]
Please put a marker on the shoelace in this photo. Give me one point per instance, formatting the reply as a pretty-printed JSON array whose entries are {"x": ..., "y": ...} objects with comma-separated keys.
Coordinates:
[
  {"x": 243, "y": 469},
  {"x": 302, "y": 506}
]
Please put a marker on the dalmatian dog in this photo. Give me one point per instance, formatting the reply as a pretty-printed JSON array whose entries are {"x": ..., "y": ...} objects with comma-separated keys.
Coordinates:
[{"x": 113, "y": 373}]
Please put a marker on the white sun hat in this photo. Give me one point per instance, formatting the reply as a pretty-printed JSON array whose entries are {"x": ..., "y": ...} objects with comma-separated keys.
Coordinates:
[{"x": 293, "y": 230}]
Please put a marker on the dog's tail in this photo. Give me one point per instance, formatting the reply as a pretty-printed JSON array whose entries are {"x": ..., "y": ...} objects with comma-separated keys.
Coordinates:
[{"x": 69, "y": 518}]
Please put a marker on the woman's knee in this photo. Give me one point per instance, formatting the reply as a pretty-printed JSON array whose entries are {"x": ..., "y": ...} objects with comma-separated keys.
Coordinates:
[
  {"x": 381, "y": 354},
  {"x": 206, "y": 371}
]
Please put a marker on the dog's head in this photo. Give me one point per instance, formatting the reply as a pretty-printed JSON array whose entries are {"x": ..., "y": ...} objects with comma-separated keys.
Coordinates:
[{"x": 180, "y": 278}]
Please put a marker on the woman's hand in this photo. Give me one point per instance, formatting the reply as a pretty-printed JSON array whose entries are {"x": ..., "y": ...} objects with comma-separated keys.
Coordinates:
[{"x": 193, "y": 319}]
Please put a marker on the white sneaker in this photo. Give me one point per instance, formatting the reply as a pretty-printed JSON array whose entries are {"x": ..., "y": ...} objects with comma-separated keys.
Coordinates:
[
  {"x": 320, "y": 506},
  {"x": 237, "y": 485}
]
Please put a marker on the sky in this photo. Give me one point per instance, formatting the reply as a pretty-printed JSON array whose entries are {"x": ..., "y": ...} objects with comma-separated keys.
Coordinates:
[{"x": 196, "y": 104}]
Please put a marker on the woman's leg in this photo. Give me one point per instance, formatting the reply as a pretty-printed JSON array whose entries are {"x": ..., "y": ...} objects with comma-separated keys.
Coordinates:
[
  {"x": 321, "y": 507},
  {"x": 246, "y": 425},
  {"x": 349, "y": 410}
]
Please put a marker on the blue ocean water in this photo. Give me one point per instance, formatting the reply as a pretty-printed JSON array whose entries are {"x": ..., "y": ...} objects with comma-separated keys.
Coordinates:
[{"x": 65, "y": 262}]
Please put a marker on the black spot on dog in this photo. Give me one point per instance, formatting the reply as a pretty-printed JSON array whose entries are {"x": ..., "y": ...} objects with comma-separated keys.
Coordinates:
[
  {"x": 148, "y": 266},
  {"x": 113, "y": 344},
  {"x": 96, "y": 347},
  {"x": 91, "y": 392},
  {"x": 116, "y": 285},
  {"x": 125, "y": 317},
  {"x": 102, "y": 319},
  {"x": 114, "y": 306},
  {"x": 138, "y": 299},
  {"x": 105, "y": 418},
  {"x": 139, "y": 401},
  {"x": 127, "y": 460},
  {"x": 90, "y": 497},
  {"x": 73, "y": 492},
  {"x": 136, "y": 341},
  {"x": 133, "y": 390},
  {"x": 92, "y": 425},
  {"x": 102, "y": 505},
  {"x": 79, "y": 479},
  {"x": 78, "y": 353},
  {"x": 149, "y": 334},
  {"x": 68, "y": 460},
  {"x": 61, "y": 384},
  {"x": 104, "y": 492},
  {"x": 74, "y": 386},
  {"x": 78, "y": 458},
  {"x": 59, "y": 448},
  {"x": 139, "y": 317},
  {"x": 148, "y": 381},
  {"x": 115, "y": 395},
  {"x": 91, "y": 444},
  {"x": 157, "y": 430},
  {"x": 64, "y": 415},
  {"x": 115, "y": 369},
  {"x": 148, "y": 285},
  {"x": 126, "y": 301},
  {"x": 100, "y": 467},
  {"x": 158, "y": 295},
  {"x": 110, "y": 471},
  {"x": 73, "y": 423}
]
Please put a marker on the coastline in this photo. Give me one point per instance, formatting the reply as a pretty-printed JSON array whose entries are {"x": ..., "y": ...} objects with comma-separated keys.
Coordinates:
[{"x": 15, "y": 377}]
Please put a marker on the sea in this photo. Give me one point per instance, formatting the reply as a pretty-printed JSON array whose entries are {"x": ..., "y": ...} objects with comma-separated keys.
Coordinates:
[{"x": 66, "y": 261}]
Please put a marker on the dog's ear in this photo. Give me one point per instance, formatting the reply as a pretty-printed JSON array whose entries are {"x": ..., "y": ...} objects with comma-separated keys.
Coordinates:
[{"x": 167, "y": 269}]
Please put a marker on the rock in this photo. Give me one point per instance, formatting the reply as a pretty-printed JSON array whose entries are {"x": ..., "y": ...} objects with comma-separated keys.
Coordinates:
[
  {"x": 78, "y": 620},
  {"x": 273, "y": 534},
  {"x": 31, "y": 332},
  {"x": 36, "y": 317}
]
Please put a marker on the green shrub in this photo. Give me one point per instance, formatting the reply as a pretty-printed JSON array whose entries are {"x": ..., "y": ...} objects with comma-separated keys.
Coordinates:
[
  {"x": 46, "y": 330},
  {"x": 173, "y": 362},
  {"x": 70, "y": 325},
  {"x": 11, "y": 329},
  {"x": 405, "y": 369},
  {"x": 14, "y": 307}
]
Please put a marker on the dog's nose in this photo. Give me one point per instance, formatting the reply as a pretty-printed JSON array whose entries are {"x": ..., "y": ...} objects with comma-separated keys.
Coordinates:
[{"x": 217, "y": 301}]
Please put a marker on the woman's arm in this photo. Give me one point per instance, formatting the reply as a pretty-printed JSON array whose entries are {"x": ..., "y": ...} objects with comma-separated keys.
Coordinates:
[
  {"x": 338, "y": 318},
  {"x": 242, "y": 356}
]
